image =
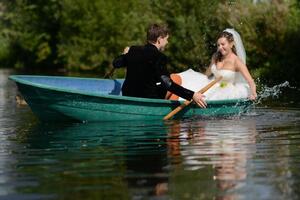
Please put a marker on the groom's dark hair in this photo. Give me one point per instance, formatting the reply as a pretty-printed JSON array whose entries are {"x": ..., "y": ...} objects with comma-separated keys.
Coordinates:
[{"x": 155, "y": 31}]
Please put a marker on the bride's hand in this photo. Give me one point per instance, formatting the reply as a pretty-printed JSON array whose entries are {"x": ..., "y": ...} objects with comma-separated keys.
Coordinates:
[{"x": 253, "y": 96}]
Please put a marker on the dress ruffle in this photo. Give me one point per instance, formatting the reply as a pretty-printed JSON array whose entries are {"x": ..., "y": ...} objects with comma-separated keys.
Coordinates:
[{"x": 226, "y": 89}]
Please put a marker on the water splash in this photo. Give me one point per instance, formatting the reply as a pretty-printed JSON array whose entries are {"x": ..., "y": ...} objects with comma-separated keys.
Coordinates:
[{"x": 272, "y": 92}]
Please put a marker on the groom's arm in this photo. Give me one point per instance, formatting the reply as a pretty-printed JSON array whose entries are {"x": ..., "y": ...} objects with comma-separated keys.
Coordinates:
[{"x": 176, "y": 89}]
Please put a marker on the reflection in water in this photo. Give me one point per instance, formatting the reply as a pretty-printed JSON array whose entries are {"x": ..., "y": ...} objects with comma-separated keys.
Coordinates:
[
  {"x": 111, "y": 159},
  {"x": 211, "y": 159},
  {"x": 220, "y": 145},
  {"x": 119, "y": 159},
  {"x": 11, "y": 115}
]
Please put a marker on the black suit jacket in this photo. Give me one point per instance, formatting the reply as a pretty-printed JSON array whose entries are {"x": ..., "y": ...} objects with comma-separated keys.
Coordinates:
[{"x": 147, "y": 75}]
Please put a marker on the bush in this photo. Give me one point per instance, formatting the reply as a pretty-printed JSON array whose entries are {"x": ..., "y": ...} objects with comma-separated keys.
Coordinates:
[
  {"x": 86, "y": 35},
  {"x": 192, "y": 24},
  {"x": 105, "y": 27},
  {"x": 32, "y": 27}
]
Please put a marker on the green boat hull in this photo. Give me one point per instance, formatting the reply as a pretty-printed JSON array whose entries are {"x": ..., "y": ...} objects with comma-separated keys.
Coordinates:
[{"x": 58, "y": 103}]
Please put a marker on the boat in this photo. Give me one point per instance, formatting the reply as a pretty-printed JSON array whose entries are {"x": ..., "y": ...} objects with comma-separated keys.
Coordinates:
[{"x": 59, "y": 98}]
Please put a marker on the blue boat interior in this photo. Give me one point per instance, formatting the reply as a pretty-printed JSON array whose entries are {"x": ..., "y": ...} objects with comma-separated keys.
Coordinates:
[{"x": 91, "y": 85}]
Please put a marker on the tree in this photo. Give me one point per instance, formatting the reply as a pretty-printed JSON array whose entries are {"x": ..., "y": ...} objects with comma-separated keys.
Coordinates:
[{"x": 32, "y": 31}]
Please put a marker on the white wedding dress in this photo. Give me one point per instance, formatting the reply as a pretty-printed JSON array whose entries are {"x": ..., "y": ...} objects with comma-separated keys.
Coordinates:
[{"x": 230, "y": 87}]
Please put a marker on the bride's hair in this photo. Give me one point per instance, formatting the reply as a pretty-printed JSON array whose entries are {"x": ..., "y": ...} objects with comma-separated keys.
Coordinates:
[{"x": 229, "y": 37}]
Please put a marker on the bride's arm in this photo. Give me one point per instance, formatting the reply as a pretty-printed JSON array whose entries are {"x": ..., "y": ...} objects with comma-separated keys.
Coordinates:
[
  {"x": 242, "y": 68},
  {"x": 208, "y": 72}
]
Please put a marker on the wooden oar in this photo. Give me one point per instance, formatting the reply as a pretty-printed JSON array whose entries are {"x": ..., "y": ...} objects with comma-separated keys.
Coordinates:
[{"x": 186, "y": 103}]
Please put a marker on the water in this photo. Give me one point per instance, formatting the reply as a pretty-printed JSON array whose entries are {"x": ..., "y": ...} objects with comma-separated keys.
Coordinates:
[{"x": 254, "y": 156}]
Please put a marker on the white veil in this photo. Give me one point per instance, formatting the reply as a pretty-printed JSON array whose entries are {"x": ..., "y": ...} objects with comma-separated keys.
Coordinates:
[{"x": 240, "y": 51}]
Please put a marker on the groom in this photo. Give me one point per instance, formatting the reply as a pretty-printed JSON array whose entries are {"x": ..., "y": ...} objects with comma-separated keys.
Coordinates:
[{"x": 147, "y": 75}]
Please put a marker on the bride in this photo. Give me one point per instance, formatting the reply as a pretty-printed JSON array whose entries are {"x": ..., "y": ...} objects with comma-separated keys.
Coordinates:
[{"x": 229, "y": 62}]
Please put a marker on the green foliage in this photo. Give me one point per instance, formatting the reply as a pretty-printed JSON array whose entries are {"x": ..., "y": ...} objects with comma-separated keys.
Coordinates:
[
  {"x": 32, "y": 28},
  {"x": 101, "y": 32},
  {"x": 191, "y": 22},
  {"x": 4, "y": 52},
  {"x": 81, "y": 35}
]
